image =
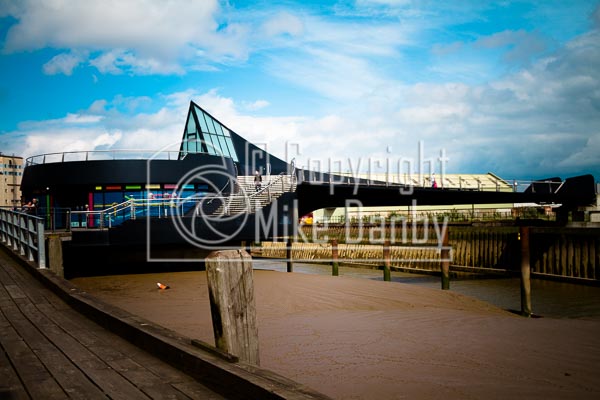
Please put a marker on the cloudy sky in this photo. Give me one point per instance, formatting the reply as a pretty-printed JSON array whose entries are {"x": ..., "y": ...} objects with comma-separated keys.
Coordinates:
[{"x": 510, "y": 87}]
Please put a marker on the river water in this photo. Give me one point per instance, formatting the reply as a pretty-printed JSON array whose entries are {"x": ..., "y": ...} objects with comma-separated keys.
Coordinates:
[{"x": 549, "y": 298}]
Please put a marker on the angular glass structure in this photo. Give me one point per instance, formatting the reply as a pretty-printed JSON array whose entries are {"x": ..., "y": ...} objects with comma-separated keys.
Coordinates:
[{"x": 204, "y": 134}]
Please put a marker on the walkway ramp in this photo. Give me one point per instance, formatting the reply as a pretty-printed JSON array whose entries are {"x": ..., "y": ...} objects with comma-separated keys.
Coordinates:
[{"x": 247, "y": 199}]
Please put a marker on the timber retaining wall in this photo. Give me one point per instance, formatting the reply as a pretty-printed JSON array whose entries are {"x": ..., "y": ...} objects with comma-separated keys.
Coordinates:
[{"x": 555, "y": 251}]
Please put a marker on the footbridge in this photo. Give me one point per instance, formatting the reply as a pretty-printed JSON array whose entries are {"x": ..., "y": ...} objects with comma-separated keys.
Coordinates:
[{"x": 300, "y": 193}]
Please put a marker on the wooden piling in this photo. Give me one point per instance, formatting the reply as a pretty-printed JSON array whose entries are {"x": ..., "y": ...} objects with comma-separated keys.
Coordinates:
[
  {"x": 232, "y": 305},
  {"x": 525, "y": 272},
  {"x": 288, "y": 255},
  {"x": 387, "y": 275},
  {"x": 55, "y": 254},
  {"x": 334, "y": 258},
  {"x": 445, "y": 260}
]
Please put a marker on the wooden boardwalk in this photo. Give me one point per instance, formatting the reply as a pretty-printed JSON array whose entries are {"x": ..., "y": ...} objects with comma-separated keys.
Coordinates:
[{"x": 50, "y": 351}]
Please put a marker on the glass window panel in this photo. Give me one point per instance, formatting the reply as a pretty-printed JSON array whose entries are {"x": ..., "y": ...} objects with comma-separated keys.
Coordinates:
[
  {"x": 191, "y": 124},
  {"x": 215, "y": 140},
  {"x": 209, "y": 145},
  {"x": 99, "y": 201},
  {"x": 211, "y": 126},
  {"x": 201, "y": 121},
  {"x": 218, "y": 126},
  {"x": 192, "y": 148},
  {"x": 134, "y": 195},
  {"x": 231, "y": 149},
  {"x": 208, "y": 142},
  {"x": 224, "y": 146},
  {"x": 112, "y": 198},
  {"x": 225, "y": 131}
]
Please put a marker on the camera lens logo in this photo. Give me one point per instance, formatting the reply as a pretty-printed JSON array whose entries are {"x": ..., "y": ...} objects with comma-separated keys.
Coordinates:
[{"x": 212, "y": 217}]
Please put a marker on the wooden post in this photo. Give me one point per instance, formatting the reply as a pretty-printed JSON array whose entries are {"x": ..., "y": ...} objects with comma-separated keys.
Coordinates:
[
  {"x": 55, "y": 254},
  {"x": 232, "y": 306},
  {"x": 445, "y": 260},
  {"x": 334, "y": 258},
  {"x": 525, "y": 272},
  {"x": 387, "y": 276},
  {"x": 288, "y": 255}
]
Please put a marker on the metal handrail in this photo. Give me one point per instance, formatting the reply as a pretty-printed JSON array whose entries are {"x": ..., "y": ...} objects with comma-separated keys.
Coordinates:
[
  {"x": 494, "y": 185},
  {"x": 129, "y": 208},
  {"x": 117, "y": 154},
  {"x": 24, "y": 234}
]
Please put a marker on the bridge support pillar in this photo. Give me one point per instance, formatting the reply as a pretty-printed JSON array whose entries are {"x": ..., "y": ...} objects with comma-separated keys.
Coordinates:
[{"x": 232, "y": 304}]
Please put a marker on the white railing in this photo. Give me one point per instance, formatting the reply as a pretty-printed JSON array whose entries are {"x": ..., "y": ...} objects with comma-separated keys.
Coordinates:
[
  {"x": 462, "y": 183},
  {"x": 23, "y": 234},
  {"x": 69, "y": 156},
  {"x": 131, "y": 209}
]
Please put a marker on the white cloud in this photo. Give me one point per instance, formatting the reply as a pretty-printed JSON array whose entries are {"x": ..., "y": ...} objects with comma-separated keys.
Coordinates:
[
  {"x": 283, "y": 23},
  {"x": 102, "y": 126},
  {"x": 512, "y": 127},
  {"x": 255, "y": 105},
  {"x": 586, "y": 157},
  {"x": 134, "y": 36},
  {"x": 63, "y": 63},
  {"x": 538, "y": 121},
  {"x": 82, "y": 119},
  {"x": 523, "y": 46},
  {"x": 107, "y": 140},
  {"x": 332, "y": 75}
]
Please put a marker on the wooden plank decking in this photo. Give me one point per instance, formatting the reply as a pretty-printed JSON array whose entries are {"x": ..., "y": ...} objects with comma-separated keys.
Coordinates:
[{"x": 50, "y": 351}]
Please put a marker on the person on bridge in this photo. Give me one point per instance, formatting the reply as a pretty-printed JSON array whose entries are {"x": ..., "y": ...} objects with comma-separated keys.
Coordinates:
[
  {"x": 31, "y": 207},
  {"x": 257, "y": 180}
]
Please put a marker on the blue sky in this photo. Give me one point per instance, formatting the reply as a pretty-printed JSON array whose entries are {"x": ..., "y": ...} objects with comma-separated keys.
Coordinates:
[{"x": 510, "y": 87}]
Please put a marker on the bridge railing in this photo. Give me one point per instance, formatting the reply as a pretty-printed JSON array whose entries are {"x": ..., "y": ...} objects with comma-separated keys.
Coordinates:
[
  {"x": 69, "y": 156},
  {"x": 250, "y": 196},
  {"x": 132, "y": 209},
  {"x": 23, "y": 234},
  {"x": 490, "y": 184}
]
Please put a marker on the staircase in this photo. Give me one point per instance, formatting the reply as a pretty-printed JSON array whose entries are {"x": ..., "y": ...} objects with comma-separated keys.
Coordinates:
[{"x": 247, "y": 199}]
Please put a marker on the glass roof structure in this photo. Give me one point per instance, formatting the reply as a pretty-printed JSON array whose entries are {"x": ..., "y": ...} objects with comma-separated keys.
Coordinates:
[{"x": 204, "y": 134}]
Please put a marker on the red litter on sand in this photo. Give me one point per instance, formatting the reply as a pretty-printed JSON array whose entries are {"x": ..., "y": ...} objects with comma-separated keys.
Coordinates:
[{"x": 161, "y": 286}]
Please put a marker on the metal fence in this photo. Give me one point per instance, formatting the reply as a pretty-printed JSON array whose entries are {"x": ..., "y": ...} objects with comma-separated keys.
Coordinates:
[
  {"x": 23, "y": 234},
  {"x": 132, "y": 209}
]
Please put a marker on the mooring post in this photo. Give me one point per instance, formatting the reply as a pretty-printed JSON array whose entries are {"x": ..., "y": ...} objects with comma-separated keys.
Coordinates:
[
  {"x": 525, "y": 272},
  {"x": 288, "y": 254},
  {"x": 387, "y": 275},
  {"x": 445, "y": 260},
  {"x": 232, "y": 305},
  {"x": 334, "y": 258},
  {"x": 55, "y": 255}
]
